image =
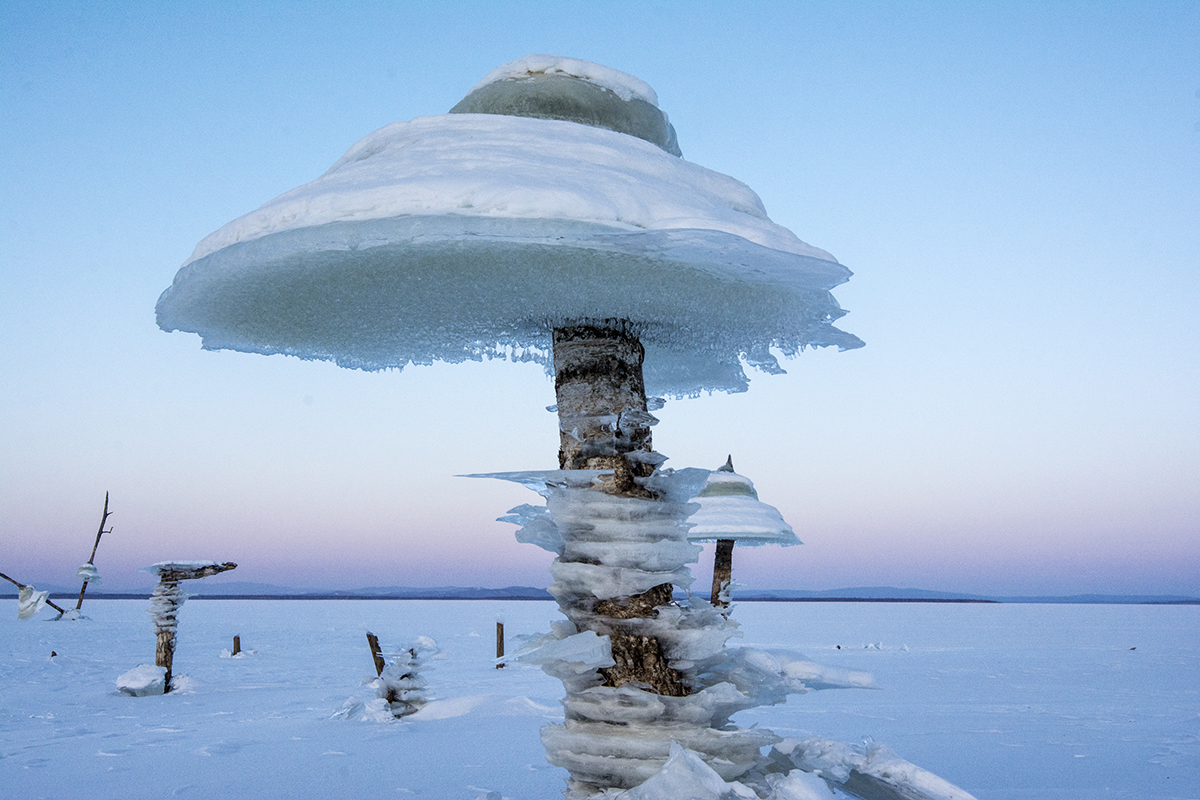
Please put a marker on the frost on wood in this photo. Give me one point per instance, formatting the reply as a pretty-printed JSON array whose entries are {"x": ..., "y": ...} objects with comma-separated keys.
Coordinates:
[{"x": 475, "y": 235}]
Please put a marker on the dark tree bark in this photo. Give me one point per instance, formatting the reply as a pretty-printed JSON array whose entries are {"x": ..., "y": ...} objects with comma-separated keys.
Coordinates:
[{"x": 603, "y": 418}]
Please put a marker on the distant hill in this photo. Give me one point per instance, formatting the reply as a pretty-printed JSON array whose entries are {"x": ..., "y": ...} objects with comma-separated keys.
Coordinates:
[
  {"x": 886, "y": 593},
  {"x": 869, "y": 594}
]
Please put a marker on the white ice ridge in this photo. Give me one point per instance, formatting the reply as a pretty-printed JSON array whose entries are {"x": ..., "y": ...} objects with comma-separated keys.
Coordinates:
[
  {"x": 815, "y": 769},
  {"x": 558, "y": 178},
  {"x": 622, "y": 84}
]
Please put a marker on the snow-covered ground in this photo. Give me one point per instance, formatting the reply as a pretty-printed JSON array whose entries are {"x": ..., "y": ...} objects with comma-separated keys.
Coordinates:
[{"x": 1007, "y": 701}]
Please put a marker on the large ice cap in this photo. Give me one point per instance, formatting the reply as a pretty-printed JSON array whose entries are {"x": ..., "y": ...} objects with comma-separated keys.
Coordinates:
[{"x": 468, "y": 236}]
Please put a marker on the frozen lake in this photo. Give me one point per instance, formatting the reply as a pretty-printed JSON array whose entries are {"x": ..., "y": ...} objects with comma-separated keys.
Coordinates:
[{"x": 1061, "y": 702}]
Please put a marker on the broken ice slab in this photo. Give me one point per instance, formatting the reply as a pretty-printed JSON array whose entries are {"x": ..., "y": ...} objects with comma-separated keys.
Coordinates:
[
  {"x": 142, "y": 681},
  {"x": 873, "y": 772}
]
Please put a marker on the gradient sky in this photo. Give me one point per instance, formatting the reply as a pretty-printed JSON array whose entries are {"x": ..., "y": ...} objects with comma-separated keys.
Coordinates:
[{"x": 1015, "y": 185}]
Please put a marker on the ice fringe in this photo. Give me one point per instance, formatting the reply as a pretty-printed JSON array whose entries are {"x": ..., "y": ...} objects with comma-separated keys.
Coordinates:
[{"x": 88, "y": 573}]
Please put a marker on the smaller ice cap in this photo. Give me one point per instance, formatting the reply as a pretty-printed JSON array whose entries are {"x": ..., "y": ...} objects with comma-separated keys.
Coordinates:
[{"x": 730, "y": 509}]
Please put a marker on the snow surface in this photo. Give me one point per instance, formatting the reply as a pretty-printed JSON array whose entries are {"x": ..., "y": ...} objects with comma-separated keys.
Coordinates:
[
  {"x": 1010, "y": 702},
  {"x": 464, "y": 236}
]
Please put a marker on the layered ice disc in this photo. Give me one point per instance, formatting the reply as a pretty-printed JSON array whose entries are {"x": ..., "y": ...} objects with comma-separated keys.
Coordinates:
[{"x": 554, "y": 195}]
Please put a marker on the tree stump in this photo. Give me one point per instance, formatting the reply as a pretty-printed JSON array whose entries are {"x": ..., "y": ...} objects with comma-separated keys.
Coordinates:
[{"x": 604, "y": 424}]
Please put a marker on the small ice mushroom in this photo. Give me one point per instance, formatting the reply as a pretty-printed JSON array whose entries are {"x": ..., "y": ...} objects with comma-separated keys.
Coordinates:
[{"x": 730, "y": 512}]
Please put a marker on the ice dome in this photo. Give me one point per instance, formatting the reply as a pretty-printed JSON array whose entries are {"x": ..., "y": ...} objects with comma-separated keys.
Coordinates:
[
  {"x": 730, "y": 510},
  {"x": 554, "y": 195}
]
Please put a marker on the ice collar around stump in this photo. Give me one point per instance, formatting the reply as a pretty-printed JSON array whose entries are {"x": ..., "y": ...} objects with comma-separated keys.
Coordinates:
[{"x": 471, "y": 235}]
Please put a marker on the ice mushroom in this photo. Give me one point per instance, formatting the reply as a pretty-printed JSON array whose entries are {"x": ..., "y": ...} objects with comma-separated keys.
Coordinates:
[
  {"x": 479, "y": 233},
  {"x": 730, "y": 512},
  {"x": 551, "y": 217}
]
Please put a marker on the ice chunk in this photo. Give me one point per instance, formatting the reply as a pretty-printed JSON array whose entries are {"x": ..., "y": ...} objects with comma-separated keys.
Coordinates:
[
  {"x": 769, "y": 676},
  {"x": 796, "y": 785},
  {"x": 536, "y": 527},
  {"x": 685, "y": 775},
  {"x": 872, "y": 773},
  {"x": 30, "y": 601},
  {"x": 143, "y": 680},
  {"x": 582, "y": 652}
]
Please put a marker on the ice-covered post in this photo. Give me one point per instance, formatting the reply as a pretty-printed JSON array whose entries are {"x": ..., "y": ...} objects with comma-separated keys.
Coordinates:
[
  {"x": 88, "y": 570},
  {"x": 166, "y": 600}
]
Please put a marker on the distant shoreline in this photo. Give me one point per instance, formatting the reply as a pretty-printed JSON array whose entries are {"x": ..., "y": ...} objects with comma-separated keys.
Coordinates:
[{"x": 547, "y": 598}]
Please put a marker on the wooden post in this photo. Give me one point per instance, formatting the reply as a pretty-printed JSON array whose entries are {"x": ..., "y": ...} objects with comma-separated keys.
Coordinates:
[
  {"x": 92, "y": 559},
  {"x": 499, "y": 643},
  {"x": 20, "y": 585},
  {"x": 722, "y": 570},
  {"x": 376, "y": 653},
  {"x": 237, "y": 645}
]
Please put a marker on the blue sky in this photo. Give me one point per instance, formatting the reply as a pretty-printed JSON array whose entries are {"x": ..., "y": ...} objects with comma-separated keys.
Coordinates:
[{"x": 1015, "y": 186}]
